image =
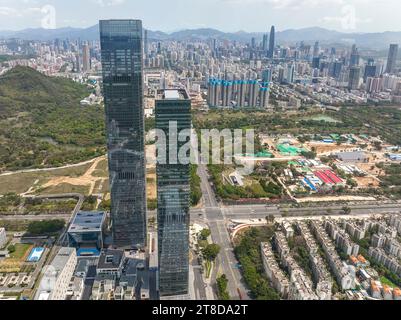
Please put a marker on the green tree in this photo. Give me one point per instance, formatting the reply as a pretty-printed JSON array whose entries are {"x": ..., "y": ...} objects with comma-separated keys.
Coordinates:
[
  {"x": 222, "y": 283},
  {"x": 347, "y": 210},
  {"x": 196, "y": 192},
  {"x": 211, "y": 251},
  {"x": 45, "y": 227},
  {"x": 204, "y": 234},
  {"x": 152, "y": 204}
]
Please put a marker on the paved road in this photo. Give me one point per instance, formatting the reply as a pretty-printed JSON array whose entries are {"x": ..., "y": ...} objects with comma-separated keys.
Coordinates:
[
  {"x": 36, "y": 217},
  {"x": 226, "y": 260},
  {"x": 199, "y": 285},
  {"x": 63, "y": 239},
  {"x": 261, "y": 211}
]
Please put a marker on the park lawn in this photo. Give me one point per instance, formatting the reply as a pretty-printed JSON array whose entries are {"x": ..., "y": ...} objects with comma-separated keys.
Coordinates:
[
  {"x": 103, "y": 165},
  {"x": 20, "y": 182},
  {"x": 65, "y": 188},
  {"x": 101, "y": 170},
  {"x": 14, "y": 225},
  {"x": 51, "y": 206},
  {"x": 21, "y": 250},
  {"x": 387, "y": 282}
]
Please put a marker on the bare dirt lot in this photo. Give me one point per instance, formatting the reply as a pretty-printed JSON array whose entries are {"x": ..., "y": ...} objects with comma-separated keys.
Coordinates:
[
  {"x": 325, "y": 148},
  {"x": 88, "y": 178},
  {"x": 365, "y": 182}
]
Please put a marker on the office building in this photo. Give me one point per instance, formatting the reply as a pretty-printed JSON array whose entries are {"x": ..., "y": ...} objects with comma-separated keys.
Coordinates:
[
  {"x": 253, "y": 43},
  {"x": 316, "y": 63},
  {"x": 110, "y": 263},
  {"x": 392, "y": 58},
  {"x": 290, "y": 73},
  {"x": 370, "y": 70},
  {"x": 77, "y": 64},
  {"x": 265, "y": 43},
  {"x": 121, "y": 276},
  {"x": 337, "y": 68},
  {"x": 121, "y": 48},
  {"x": 267, "y": 75},
  {"x": 57, "y": 276},
  {"x": 173, "y": 192},
  {"x": 272, "y": 42},
  {"x": 145, "y": 42},
  {"x": 86, "y": 232},
  {"x": 354, "y": 78},
  {"x": 316, "y": 49},
  {"x": 355, "y": 57},
  {"x": 86, "y": 59}
]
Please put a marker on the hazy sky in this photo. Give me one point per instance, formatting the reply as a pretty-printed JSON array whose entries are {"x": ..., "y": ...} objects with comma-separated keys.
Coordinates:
[{"x": 225, "y": 15}]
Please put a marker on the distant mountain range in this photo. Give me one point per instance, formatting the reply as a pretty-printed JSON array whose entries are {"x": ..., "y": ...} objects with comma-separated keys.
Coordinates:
[{"x": 325, "y": 36}]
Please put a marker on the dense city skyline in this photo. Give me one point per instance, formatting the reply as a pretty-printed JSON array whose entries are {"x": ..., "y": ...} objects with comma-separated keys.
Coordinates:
[{"x": 250, "y": 15}]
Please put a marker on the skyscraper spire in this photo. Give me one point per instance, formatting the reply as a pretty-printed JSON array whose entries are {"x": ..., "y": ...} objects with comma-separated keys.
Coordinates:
[{"x": 272, "y": 42}]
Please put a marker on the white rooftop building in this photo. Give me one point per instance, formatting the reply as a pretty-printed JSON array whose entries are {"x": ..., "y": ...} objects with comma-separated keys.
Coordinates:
[
  {"x": 3, "y": 237},
  {"x": 57, "y": 276}
]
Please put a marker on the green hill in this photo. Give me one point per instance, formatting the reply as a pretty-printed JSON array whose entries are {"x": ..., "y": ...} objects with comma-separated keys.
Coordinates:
[{"x": 42, "y": 123}]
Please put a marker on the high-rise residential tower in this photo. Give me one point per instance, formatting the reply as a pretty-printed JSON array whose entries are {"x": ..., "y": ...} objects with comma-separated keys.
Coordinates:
[
  {"x": 86, "y": 58},
  {"x": 121, "y": 48},
  {"x": 272, "y": 42},
  {"x": 173, "y": 109},
  {"x": 392, "y": 58}
]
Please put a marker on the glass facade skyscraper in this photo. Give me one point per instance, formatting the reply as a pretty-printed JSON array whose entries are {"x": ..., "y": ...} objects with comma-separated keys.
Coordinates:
[
  {"x": 122, "y": 59},
  {"x": 392, "y": 58},
  {"x": 272, "y": 42},
  {"x": 173, "y": 108}
]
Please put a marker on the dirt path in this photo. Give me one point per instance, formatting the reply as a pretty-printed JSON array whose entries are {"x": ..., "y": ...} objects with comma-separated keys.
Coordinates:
[
  {"x": 51, "y": 169},
  {"x": 85, "y": 180}
]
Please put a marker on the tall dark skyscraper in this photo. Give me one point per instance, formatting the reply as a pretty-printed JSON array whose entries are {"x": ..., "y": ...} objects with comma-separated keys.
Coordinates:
[
  {"x": 370, "y": 70},
  {"x": 392, "y": 58},
  {"x": 272, "y": 42},
  {"x": 316, "y": 49},
  {"x": 121, "y": 48},
  {"x": 337, "y": 68},
  {"x": 355, "y": 57},
  {"x": 265, "y": 43},
  {"x": 145, "y": 42},
  {"x": 173, "y": 193},
  {"x": 354, "y": 78},
  {"x": 253, "y": 43}
]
